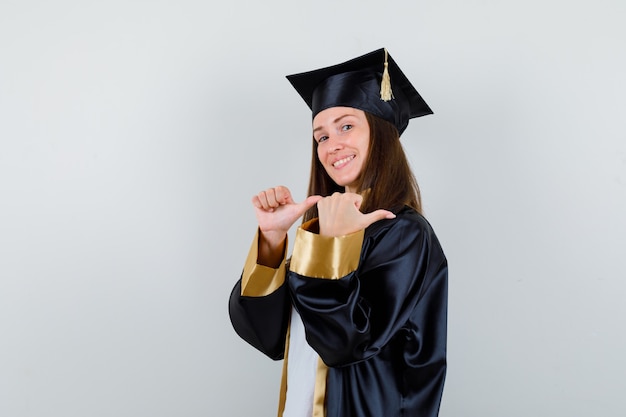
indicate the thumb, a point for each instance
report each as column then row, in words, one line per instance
column 309, row 202
column 377, row 215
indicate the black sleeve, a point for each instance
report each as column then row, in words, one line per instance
column 400, row 282
column 261, row 321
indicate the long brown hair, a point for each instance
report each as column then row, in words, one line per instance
column 386, row 174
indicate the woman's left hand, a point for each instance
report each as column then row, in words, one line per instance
column 339, row 214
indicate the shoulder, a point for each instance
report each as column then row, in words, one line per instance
column 409, row 229
column 407, row 220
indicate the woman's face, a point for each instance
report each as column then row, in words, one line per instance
column 343, row 138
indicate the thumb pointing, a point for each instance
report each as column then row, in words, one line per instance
column 377, row 215
column 309, row 202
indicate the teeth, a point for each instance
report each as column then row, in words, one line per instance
column 343, row 161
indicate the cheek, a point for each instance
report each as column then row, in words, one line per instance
column 366, row 144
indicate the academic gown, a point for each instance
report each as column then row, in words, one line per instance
column 374, row 307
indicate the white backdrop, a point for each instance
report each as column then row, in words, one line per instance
column 133, row 134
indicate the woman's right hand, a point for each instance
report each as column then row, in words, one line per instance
column 276, row 212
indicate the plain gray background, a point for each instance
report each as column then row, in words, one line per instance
column 133, row 134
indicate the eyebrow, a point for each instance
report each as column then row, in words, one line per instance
column 334, row 121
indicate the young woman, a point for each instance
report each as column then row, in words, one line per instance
column 358, row 311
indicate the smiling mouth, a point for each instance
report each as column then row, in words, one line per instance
column 343, row 161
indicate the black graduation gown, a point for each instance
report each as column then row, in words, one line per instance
column 374, row 307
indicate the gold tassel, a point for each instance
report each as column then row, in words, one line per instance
column 385, row 85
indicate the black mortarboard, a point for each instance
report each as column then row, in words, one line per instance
column 364, row 83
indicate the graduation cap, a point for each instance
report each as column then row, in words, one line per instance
column 372, row 82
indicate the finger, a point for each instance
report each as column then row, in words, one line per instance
column 262, row 197
column 256, row 202
column 272, row 201
column 307, row 204
column 377, row 215
column 310, row 201
column 283, row 195
column 358, row 199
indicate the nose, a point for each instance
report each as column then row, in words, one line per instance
column 334, row 144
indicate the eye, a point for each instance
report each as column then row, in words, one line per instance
column 346, row 127
column 322, row 139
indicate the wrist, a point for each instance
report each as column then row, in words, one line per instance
column 272, row 239
column 271, row 248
